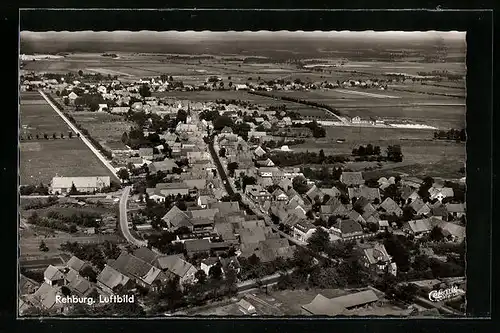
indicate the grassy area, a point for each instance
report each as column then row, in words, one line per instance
column 104, row 127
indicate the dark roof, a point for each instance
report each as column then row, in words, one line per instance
column 75, row 263
column 197, row 245
column 131, row 265
column 145, row 254
column 391, row 206
column 348, row 226
column 176, row 217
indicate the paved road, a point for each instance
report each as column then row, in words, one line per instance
column 124, row 222
column 84, row 139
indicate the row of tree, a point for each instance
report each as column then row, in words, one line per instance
column 46, row 136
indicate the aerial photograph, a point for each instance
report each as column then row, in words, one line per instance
column 242, row 174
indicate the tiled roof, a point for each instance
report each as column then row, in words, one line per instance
column 75, row 263
column 352, row 178
column 52, row 273
column 111, row 278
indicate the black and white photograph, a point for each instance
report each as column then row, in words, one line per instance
column 242, row 174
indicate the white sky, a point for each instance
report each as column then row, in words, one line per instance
column 248, row 34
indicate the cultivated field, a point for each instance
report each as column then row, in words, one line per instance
column 41, row 159
column 104, row 127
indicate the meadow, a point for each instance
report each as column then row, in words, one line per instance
column 43, row 159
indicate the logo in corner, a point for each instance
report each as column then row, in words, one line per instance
column 443, row 294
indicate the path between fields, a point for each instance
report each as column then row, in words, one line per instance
column 123, row 220
column 84, row 139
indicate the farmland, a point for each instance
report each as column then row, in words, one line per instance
column 41, row 159
column 104, row 127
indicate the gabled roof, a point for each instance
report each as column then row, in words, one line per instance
column 321, row 305
column 146, row 255
column 332, row 192
column 226, row 207
column 419, row 205
column 203, row 213
column 131, row 265
column 356, row 299
column 75, row 263
column 313, row 192
column 111, row 278
column 45, row 296
column 53, row 274
column 253, row 235
column 417, row 226
column 348, row 226
column 390, row 206
column 439, row 210
column 175, row 264
column 406, row 192
column 176, row 217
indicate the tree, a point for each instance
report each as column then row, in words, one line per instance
column 319, row 240
column 221, row 84
column 144, row 91
column 73, row 189
column 222, row 152
column 54, row 136
column 230, row 84
column 231, row 167
column 65, row 291
column 123, row 174
column 70, row 134
column 222, row 121
column 200, row 276
column 321, row 156
column 215, row 272
column 80, row 73
column 394, row 153
column 436, row 234
column 43, row 247
column 299, row 184
column 62, row 135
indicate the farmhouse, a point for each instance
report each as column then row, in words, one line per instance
column 63, row 185
column 375, row 257
column 417, row 227
column 347, row 229
column 352, row 178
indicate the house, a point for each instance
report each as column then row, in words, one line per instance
column 208, row 214
column 53, row 276
column 314, row 194
column 391, row 207
column 76, row 264
column 103, row 108
column 63, row 185
column 439, row 211
column 417, row 228
column 109, row 279
column 364, row 192
column 265, row 163
column 146, row 153
column 259, row 151
column 268, row 172
column 355, row 216
column 203, row 201
column 452, row 230
column 352, row 178
column 420, row 207
column 197, row 246
column 331, row 192
column 279, row 195
column 241, row 87
column 257, row 193
column 208, row 263
column 146, row 255
column 440, row 193
column 303, row 230
column 143, row 273
column 246, row 307
column 27, row 285
column 179, row 267
column 226, row 208
column 286, row 184
column 155, row 195
column 174, row 189
column 165, row 166
column 409, row 194
column 45, row 298
column 456, row 210
column 339, row 305
column 375, row 257
column 347, row 229
column 176, row 218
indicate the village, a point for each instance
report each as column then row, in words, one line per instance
column 216, row 212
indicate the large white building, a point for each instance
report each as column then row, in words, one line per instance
column 62, row 185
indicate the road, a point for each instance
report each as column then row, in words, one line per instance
column 84, row 139
column 100, row 195
column 124, row 222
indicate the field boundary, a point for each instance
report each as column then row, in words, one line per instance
column 87, row 142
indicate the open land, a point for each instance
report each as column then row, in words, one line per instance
column 104, row 127
column 41, row 159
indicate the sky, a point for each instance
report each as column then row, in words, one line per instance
column 195, row 35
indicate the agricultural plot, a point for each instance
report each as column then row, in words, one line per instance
column 104, row 127
column 42, row 159
column 435, row 90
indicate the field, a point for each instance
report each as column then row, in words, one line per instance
column 104, row 127
column 41, row 159
column 439, row 111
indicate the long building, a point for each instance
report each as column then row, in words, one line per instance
column 63, row 185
